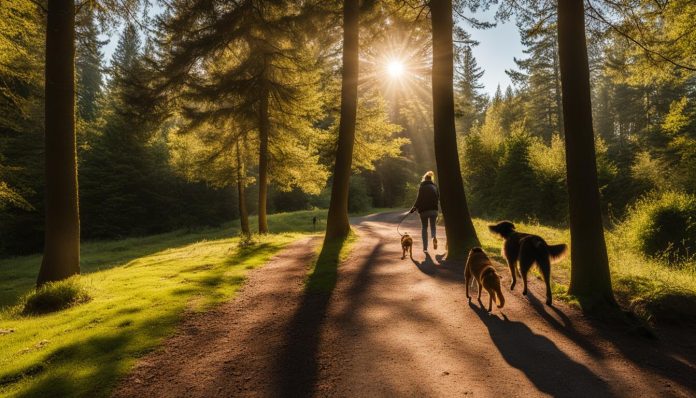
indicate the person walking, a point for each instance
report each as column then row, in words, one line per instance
column 427, row 206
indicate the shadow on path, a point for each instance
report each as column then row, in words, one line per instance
column 542, row 362
column 297, row 368
column 427, row 266
column 566, row 327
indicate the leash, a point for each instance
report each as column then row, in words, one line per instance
column 399, row 224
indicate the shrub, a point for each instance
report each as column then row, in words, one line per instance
column 664, row 226
column 516, row 189
column 55, row 296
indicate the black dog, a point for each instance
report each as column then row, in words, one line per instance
column 528, row 249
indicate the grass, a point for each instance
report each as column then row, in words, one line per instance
column 139, row 289
column 652, row 289
column 54, row 296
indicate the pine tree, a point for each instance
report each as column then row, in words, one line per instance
column 88, row 65
column 538, row 75
column 62, row 234
column 124, row 170
column 470, row 101
column 22, row 33
column 265, row 75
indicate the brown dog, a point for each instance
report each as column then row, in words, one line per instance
column 528, row 249
column 406, row 245
column 480, row 268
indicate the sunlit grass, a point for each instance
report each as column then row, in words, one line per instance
column 139, row 289
column 641, row 284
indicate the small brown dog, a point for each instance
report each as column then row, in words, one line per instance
column 406, row 245
column 528, row 249
column 480, row 268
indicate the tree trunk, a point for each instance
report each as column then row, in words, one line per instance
column 264, row 132
column 241, row 174
column 62, row 235
column 461, row 235
column 590, row 278
column 337, row 225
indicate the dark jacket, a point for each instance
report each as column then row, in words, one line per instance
column 428, row 197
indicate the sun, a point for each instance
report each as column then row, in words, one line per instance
column 395, row 69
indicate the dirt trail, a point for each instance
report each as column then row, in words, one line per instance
column 396, row 327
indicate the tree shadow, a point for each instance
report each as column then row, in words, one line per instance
column 542, row 362
column 566, row 327
column 297, row 367
column 97, row 374
column 673, row 359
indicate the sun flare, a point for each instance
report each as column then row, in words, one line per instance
column 395, row 68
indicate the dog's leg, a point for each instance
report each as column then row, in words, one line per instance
column 479, row 285
column 545, row 267
column 403, row 254
column 467, row 279
column 410, row 251
column 490, row 301
column 511, row 258
column 526, row 261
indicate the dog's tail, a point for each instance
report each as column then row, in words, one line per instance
column 557, row 252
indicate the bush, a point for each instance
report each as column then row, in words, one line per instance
column 664, row 226
column 55, row 296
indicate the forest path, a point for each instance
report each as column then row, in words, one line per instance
column 396, row 327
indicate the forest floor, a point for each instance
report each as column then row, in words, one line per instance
column 392, row 327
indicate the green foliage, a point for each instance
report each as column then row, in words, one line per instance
column 514, row 176
column 22, row 35
column 470, row 102
column 54, row 296
column 358, row 199
column 664, row 226
column 374, row 134
column 538, row 75
column 515, row 190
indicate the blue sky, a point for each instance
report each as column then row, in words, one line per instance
column 498, row 46
column 495, row 52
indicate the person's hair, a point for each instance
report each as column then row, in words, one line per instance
column 429, row 176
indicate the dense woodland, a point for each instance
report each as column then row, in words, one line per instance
column 212, row 110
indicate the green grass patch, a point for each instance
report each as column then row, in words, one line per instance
column 650, row 287
column 139, row 289
column 54, row 296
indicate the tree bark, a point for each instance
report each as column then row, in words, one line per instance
column 337, row 224
column 61, row 257
column 241, row 174
column 264, row 132
column 590, row 277
column 461, row 235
